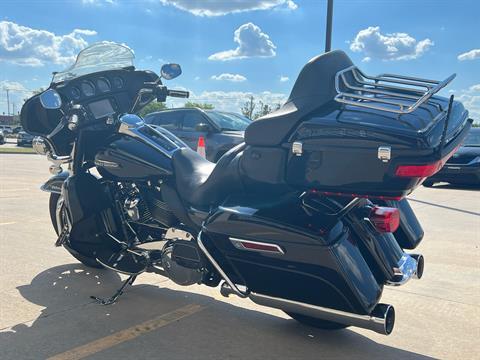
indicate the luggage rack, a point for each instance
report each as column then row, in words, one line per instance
column 386, row 92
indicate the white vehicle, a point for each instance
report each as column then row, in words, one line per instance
column 7, row 129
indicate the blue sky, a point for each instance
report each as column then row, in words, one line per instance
column 274, row 39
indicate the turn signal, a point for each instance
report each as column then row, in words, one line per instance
column 385, row 219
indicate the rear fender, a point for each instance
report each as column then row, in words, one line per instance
column 54, row 184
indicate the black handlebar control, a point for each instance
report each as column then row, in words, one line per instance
column 178, row 93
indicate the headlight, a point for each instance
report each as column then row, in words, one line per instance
column 40, row 146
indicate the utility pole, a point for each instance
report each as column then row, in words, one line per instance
column 8, row 102
column 328, row 35
column 13, row 110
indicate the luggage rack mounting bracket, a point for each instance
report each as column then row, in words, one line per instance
column 386, row 92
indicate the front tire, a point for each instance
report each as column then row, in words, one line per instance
column 316, row 323
column 85, row 260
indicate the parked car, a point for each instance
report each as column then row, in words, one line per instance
column 7, row 129
column 221, row 130
column 463, row 167
column 2, row 137
column 24, row 139
column 17, row 129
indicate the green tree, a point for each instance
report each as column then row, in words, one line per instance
column 204, row 106
column 152, row 107
column 248, row 107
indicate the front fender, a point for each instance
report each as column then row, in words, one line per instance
column 54, row 184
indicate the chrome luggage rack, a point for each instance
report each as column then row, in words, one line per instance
column 386, row 92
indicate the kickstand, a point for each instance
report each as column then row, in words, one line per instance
column 115, row 296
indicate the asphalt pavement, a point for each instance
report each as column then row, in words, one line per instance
column 46, row 310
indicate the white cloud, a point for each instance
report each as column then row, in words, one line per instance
column 252, row 42
column 396, row 46
column 469, row 55
column 284, row 78
column 25, row 46
column 219, row 8
column 229, row 77
column 99, row 2
column 230, row 100
column 17, row 94
column 471, row 100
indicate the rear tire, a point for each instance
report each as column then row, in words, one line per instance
column 316, row 323
column 85, row 260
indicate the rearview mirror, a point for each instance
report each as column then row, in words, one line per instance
column 170, row 71
column 202, row 127
column 51, row 99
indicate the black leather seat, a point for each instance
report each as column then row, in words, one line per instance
column 202, row 183
column 315, row 86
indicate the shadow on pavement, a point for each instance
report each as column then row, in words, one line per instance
column 466, row 187
column 219, row 331
column 445, row 207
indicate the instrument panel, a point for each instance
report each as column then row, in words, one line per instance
column 106, row 93
column 96, row 86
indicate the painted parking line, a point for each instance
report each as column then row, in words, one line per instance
column 128, row 334
column 8, row 223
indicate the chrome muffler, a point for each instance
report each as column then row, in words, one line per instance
column 381, row 320
column 409, row 266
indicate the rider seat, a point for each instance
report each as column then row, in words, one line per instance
column 202, row 183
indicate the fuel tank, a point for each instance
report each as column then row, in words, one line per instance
column 128, row 158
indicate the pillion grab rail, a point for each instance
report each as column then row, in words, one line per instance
column 386, row 92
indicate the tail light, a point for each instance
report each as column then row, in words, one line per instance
column 420, row 171
column 423, row 171
column 385, row 219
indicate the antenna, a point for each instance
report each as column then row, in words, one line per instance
column 328, row 35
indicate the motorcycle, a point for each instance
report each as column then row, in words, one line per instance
column 300, row 217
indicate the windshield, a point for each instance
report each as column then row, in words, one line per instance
column 472, row 139
column 229, row 121
column 98, row 57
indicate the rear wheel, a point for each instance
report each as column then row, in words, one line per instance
column 316, row 323
column 53, row 203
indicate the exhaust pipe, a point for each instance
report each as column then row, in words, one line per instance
column 381, row 320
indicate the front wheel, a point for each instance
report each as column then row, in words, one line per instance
column 54, row 202
column 316, row 323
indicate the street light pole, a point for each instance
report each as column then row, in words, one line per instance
column 328, row 35
column 8, row 103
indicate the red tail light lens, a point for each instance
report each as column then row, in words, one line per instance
column 423, row 171
column 420, row 171
column 385, row 219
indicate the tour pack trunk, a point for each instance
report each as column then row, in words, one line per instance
column 364, row 151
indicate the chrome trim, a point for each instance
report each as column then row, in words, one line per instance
column 40, row 146
column 238, row 243
column 409, row 266
column 384, row 153
column 381, row 319
column 362, row 90
column 130, row 125
column 219, row 269
column 297, row 148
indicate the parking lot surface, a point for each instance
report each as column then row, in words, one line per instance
column 46, row 310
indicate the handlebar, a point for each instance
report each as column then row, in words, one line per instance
column 178, row 93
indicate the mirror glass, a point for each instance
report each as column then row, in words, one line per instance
column 51, row 99
column 170, row 71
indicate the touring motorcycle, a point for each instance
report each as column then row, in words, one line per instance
column 308, row 215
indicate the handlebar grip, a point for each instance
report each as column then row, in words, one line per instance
column 178, row 93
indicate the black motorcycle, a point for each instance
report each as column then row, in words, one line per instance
column 308, row 215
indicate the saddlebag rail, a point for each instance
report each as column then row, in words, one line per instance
column 386, row 92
